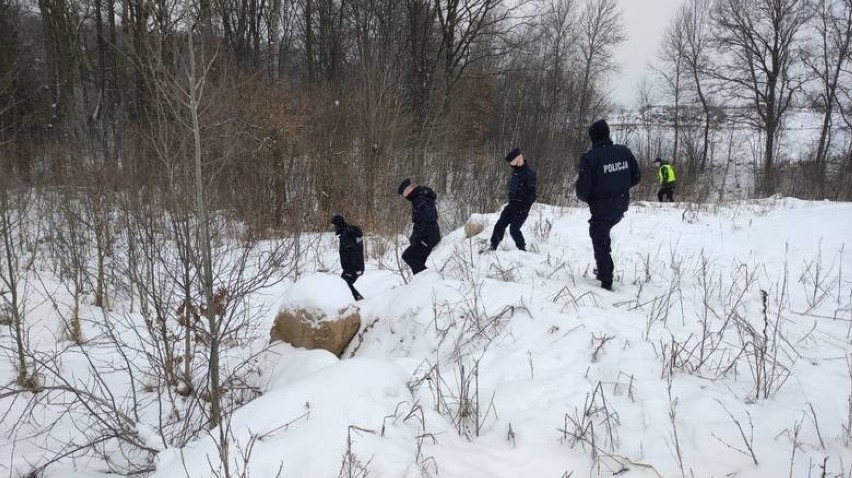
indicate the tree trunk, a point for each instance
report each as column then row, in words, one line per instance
column 706, row 130
column 768, row 186
column 11, row 283
column 309, row 39
column 676, row 151
column 822, row 150
column 195, row 86
column 274, row 40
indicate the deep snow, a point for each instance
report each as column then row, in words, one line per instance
column 510, row 363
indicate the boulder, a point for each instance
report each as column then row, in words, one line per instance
column 311, row 328
column 474, row 225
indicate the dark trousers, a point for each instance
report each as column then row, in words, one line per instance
column 667, row 191
column 599, row 229
column 416, row 254
column 424, row 238
column 513, row 215
column 350, row 278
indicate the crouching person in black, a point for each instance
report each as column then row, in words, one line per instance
column 351, row 252
column 425, row 234
column 607, row 172
column 521, row 198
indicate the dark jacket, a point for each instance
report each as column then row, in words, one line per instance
column 351, row 248
column 607, row 172
column 522, row 186
column 424, row 215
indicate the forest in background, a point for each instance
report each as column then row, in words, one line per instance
column 302, row 108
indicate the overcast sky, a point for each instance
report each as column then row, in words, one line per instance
column 644, row 23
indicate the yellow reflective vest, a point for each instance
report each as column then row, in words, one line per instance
column 666, row 173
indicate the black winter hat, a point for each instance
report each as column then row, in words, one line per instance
column 337, row 220
column 404, row 184
column 513, row 154
column 658, row 160
column 598, row 130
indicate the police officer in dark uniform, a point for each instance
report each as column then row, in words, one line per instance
column 522, row 195
column 351, row 252
column 425, row 234
column 607, row 172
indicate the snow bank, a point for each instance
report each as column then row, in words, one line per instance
column 323, row 294
column 307, row 422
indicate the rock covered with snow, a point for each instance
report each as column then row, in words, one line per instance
column 475, row 224
column 319, row 293
column 317, row 313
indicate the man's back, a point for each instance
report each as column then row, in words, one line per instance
column 607, row 172
column 352, row 248
column 423, row 209
column 666, row 174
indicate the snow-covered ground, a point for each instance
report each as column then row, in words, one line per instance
column 724, row 350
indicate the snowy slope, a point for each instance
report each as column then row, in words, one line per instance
column 725, row 350
column 511, row 363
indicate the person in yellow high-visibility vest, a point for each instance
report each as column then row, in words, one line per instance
column 666, row 174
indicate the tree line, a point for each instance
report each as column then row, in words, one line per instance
column 307, row 104
column 754, row 63
column 311, row 104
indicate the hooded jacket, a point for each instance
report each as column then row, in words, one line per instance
column 351, row 248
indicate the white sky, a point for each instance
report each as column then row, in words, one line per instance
column 644, row 23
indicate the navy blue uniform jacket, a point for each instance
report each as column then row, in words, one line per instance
column 607, row 172
column 424, row 215
column 522, row 186
column 351, row 248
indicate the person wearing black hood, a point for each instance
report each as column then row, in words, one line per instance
column 522, row 195
column 351, row 252
column 606, row 174
column 425, row 234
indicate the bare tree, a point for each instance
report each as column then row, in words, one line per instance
column 760, row 62
column 58, row 25
column 601, row 31
column 560, row 37
column 16, row 262
column 647, row 102
column 184, row 92
column 549, row 122
column 463, row 24
column 378, row 96
column 695, row 18
column 673, row 72
column 14, row 223
column 828, row 60
column 844, row 107
column 195, row 80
